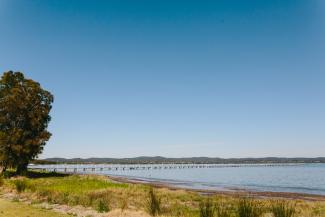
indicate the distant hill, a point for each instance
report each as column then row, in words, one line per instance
column 197, row 160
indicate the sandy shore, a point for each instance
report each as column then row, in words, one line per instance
column 227, row 192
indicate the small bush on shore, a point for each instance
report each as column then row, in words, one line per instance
column 153, row 203
column 21, row 185
column 102, row 205
column 207, row 208
column 283, row 209
column 248, row 208
column 7, row 174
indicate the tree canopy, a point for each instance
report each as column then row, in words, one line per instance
column 24, row 118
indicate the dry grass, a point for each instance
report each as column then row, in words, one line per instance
column 16, row 209
column 249, row 208
column 207, row 208
column 283, row 209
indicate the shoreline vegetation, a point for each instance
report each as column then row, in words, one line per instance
column 235, row 192
column 96, row 195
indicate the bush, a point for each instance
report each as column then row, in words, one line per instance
column 153, row 203
column 102, row 206
column 248, row 208
column 20, row 184
column 7, row 174
column 283, row 209
column 207, row 208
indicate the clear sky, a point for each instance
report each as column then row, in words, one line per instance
column 223, row 78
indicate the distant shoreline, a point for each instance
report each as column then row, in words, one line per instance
column 189, row 160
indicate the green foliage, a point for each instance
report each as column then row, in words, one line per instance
column 248, row 208
column 88, row 191
column 102, row 205
column 207, row 208
column 153, row 203
column 21, row 185
column 24, row 117
column 283, row 209
column 75, row 184
column 7, row 174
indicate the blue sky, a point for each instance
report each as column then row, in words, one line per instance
column 224, row 78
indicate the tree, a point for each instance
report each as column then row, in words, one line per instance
column 24, row 117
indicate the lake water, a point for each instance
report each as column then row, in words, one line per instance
column 298, row 178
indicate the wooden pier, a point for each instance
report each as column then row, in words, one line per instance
column 101, row 168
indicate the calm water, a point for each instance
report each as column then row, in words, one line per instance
column 299, row 178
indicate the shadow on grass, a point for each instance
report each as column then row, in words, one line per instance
column 36, row 174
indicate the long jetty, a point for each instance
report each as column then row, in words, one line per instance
column 86, row 168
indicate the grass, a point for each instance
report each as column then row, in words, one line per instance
column 105, row 195
column 16, row 209
column 102, row 205
column 207, row 208
column 76, row 190
column 283, row 209
column 153, row 203
column 223, row 209
column 20, row 185
column 74, row 184
column 248, row 208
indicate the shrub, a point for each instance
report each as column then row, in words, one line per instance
column 153, row 203
column 7, row 174
column 21, row 185
column 207, row 208
column 102, row 206
column 248, row 208
column 283, row 209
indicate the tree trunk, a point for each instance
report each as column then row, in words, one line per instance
column 22, row 169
